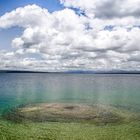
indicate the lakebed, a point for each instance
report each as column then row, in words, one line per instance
column 65, row 121
column 67, row 112
column 69, row 107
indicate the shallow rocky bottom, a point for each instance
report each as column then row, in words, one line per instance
column 66, row 112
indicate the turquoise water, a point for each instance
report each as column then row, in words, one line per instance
column 28, row 88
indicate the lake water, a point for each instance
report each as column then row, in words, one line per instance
column 28, row 88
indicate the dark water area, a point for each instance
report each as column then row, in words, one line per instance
column 122, row 90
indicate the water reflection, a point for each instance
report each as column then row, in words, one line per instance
column 16, row 89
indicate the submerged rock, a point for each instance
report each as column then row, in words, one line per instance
column 65, row 112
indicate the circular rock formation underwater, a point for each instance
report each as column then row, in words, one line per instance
column 66, row 112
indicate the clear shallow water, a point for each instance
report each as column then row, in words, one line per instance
column 27, row 88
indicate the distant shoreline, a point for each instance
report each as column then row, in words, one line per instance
column 72, row 72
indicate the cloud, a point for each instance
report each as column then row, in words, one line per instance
column 104, row 37
column 106, row 8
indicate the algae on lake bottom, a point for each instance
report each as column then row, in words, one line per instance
column 72, row 122
column 67, row 131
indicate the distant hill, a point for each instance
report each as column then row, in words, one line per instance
column 73, row 72
column 20, row 71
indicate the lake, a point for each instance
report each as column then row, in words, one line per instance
column 110, row 89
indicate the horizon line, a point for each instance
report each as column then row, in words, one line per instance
column 75, row 71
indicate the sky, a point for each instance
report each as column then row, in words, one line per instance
column 65, row 35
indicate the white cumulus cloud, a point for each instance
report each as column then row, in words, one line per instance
column 99, row 35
